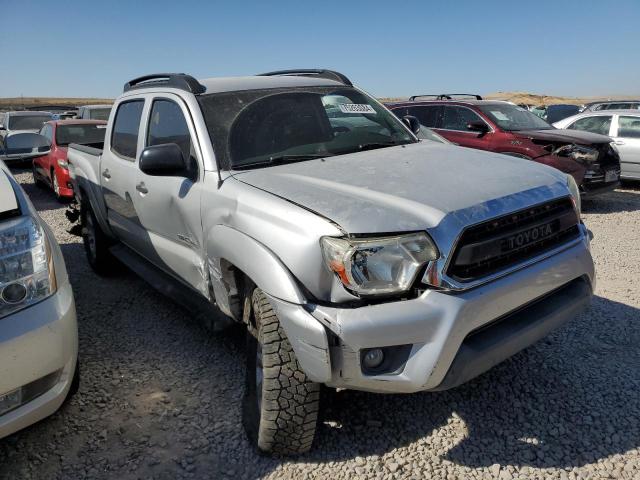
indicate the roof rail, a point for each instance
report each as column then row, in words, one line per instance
column 447, row 96
column 311, row 72
column 181, row 81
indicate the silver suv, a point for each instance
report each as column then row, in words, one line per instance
column 356, row 255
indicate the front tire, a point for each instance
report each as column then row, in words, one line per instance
column 36, row 178
column 96, row 243
column 280, row 407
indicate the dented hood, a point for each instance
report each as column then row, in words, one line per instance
column 399, row 188
column 566, row 136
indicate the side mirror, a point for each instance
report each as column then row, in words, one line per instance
column 412, row 122
column 479, row 127
column 24, row 145
column 164, row 161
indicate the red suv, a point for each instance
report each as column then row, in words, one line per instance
column 52, row 169
column 503, row 127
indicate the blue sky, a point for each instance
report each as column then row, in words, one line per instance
column 91, row 48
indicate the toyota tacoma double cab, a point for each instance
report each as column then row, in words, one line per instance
column 503, row 127
column 357, row 256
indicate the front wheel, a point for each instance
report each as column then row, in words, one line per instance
column 280, row 407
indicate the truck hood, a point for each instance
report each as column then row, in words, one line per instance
column 404, row 188
column 562, row 135
column 29, row 130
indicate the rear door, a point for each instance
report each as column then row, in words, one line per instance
column 454, row 127
column 118, row 169
column 627, row 141
column 169, row 206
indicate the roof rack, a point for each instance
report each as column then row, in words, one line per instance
column 181, row 81
column 311, row 72
column 447, row 96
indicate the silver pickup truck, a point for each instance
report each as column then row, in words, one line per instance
column 356, row 255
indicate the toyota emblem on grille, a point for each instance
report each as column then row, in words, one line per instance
column 526, row 237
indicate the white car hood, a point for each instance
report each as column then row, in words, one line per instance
column 8, row 199
column 405, row 188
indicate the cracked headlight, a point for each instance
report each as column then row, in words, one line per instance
column 575, row 194
column 26, row 269
column 374, row 266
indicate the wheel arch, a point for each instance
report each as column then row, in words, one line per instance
column 233, row 256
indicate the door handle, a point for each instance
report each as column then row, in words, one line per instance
column 106, row 174
column 142, row 188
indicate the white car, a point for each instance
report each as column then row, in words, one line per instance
column 38, row 330
column 621, row 125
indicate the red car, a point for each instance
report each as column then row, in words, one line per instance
column 503, row 127
column 52, row 169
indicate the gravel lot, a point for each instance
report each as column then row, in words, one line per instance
column 160, row 398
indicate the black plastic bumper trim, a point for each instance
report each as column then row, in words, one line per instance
column 485, row 348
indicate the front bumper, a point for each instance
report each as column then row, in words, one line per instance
column 438, row 327
column 35, row 343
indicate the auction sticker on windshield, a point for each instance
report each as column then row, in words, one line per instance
column 356, row 108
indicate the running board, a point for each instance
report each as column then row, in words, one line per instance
column 203, row 310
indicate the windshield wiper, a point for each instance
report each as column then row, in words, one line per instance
column 374, row 145
column 282, row 159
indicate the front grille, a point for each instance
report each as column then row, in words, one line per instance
column 502, row 242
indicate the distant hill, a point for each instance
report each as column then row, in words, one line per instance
column 19, row 103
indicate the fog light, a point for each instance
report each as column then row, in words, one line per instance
column 373, row 358
column 14, row 293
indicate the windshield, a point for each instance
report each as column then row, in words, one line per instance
column 99, row 113
column 512, row 118
column 260, row 127
column 27, row 122
column 82, row 134
column 428, row 134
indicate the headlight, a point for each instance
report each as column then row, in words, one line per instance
column 579, row 153
column 26, row 269
column 575, row 193
column 375, row 266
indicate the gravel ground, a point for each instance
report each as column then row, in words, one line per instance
column 160, row 398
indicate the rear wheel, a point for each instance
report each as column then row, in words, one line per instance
column 96, row 242
column 280, row 407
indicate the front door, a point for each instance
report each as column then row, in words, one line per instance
column 454, row 127
column 118, row 170
column 627, row 141
column 169, row 206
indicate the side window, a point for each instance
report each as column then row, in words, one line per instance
column 457, row 118
column 596, row 124
column 629, row 127
column 426, row 115
column 124, row 138
column 47, row 132
column 168, row 125
column 400, row 112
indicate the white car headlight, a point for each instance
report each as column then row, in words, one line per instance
column 375, row 266
column 26, row 269
column 575, row 194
